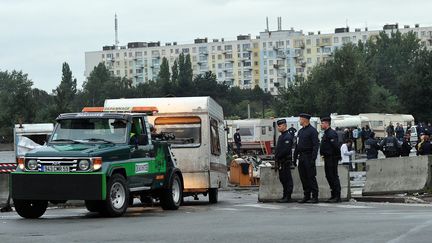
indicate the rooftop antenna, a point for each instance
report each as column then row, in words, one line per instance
column 116, row 30
column 267, row 24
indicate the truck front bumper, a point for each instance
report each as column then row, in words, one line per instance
column 53, row 186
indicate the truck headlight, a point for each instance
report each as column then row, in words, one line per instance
column 84, row 164
column 32, row 164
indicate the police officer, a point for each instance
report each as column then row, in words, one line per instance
column 237, row 141
column 372, row 147
column 390, row 145
column 283, row 158
column 406, row 146
column 292, row 130
column 306, row 152
column 329, row 149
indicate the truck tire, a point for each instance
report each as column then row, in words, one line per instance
column 172, row 197
column 93, row 206
column 117, row 198
column 30, row 209
column 213, row 195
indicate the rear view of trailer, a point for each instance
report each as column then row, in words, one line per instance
column 200, row 142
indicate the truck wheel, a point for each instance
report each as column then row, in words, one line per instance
column 172, row 197
column 93, row 206
column 31, row 209
column 117, row 197
column 213, row 195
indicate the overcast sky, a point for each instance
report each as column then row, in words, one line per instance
column 38, row 36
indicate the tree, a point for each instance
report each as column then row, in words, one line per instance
column 64, row 94
column 15, row 100
column 164, row 78
column 184, row 87
column 417, row 86
column 390, row 56
column 174, row 73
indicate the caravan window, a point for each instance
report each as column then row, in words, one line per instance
column 214, row 137
column 246, row 131
column 377, row 123
column 186, row 129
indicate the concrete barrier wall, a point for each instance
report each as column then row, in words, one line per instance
column 4, row 188
column 271, row 189
column 397, row 175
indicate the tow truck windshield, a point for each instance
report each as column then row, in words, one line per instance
column 90, row 130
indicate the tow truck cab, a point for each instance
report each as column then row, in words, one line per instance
column 104, row 157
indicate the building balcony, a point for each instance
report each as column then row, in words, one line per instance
column 277, row 66
column 282, row 74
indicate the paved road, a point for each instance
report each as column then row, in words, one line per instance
column 237, row 218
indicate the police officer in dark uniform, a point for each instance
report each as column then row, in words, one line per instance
column 390, row 146
column 237, row 141
column 283, row 159
column 329, row 149
column 306, row 152
column 372, row 146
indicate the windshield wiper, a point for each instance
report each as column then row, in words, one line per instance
column 98, row 140
column 65, row 140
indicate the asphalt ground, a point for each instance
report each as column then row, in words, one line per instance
column 238, row 217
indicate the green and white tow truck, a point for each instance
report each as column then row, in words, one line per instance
column 104, row 157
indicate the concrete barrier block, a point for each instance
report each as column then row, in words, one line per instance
column 397, row 175
column 4, row 188
column 271, row 189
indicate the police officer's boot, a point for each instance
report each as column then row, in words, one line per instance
column 285, row 200
column 336, row 199
column 314, row 199
column 305, row 199
column 332, row 197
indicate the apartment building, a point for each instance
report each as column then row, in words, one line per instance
column 270, row 60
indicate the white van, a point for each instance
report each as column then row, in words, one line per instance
column 200, row 140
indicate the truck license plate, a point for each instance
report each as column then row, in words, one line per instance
column 56, row 168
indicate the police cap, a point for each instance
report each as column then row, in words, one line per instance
column 305, row 115
column 326, row 119
column 280, row 122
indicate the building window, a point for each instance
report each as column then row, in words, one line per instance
column 103, row 56
column 256, row 63
column 193, row 49
column 308, row 51
column 264, row 45
column 317, row 42
column 255, row 45
column 117, row 55
column 336, row 39
column 308, row 42
column 309, row 60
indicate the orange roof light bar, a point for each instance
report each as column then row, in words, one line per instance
column 145, row 109
column 93, row 109
column 177, row 120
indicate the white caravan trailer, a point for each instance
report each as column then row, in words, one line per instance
column 200, row 141
column 254, row 133
column 380, row 121
column 31, row 136
column 349, row 121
